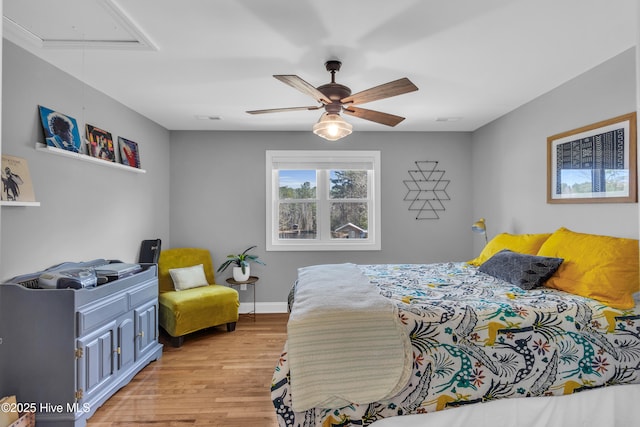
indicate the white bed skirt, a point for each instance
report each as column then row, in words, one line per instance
column 606, row 407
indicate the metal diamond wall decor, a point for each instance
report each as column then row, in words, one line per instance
column 426, row 190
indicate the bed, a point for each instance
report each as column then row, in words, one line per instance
column 468, row 342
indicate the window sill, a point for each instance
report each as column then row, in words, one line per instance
column 351, row 246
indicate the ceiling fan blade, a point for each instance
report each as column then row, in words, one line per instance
column 280, row 110
column 374, row 116
column 304, row 87
column 387, row 90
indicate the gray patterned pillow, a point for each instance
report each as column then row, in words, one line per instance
column 525, row 271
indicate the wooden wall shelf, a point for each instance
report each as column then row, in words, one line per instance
column 9, row 203
column 65, row 153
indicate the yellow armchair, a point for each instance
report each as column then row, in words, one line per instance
column 185, row 311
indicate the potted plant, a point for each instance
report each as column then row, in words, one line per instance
column 241, row 262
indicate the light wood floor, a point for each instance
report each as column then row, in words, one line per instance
column 216, row 378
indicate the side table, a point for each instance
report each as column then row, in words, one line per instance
column 250, row 281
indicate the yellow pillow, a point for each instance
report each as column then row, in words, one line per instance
column 522, row 243
column 603, row 268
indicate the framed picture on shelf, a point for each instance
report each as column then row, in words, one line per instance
column 60, row 131
column 100, row 143
column 594, row 163
column 129, row 153
column 16, row 180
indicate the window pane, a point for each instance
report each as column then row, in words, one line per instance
column 297, row 220
column 348, row 184
column 297, row 184
column 349, row 220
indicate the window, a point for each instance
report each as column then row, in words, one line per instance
column 323, row 200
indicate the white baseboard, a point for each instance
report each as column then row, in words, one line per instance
column 263, row 307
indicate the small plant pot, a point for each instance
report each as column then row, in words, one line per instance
column 238, row 276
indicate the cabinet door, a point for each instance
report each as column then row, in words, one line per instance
column 146, row 327
column 126, row 343
column 95, row 360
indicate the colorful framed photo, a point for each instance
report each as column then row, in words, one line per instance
column 60, row 131
column 594, row 164
column 16, row 180
column 100, row 143
column 129, row 153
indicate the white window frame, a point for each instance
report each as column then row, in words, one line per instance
column 322, row 160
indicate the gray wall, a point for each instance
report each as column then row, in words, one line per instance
column 218, row 200
column 87, row 211
column 510, row 155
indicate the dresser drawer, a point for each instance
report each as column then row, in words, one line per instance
column 143, row 294
column 98, row 314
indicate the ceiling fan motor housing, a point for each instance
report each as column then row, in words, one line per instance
column 335, row 92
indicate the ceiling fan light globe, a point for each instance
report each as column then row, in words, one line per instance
column 332, row 127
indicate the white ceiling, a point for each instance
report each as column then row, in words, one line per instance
column 180, row 62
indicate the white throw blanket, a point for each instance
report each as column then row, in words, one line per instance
column 346, row 343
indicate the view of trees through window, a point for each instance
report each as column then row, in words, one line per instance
column 299, row 201
column 348, row 194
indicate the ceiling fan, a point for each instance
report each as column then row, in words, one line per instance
column 336, row 98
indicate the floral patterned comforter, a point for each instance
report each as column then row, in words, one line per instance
column 476, row 338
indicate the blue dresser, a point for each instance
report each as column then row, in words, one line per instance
column 64, row 352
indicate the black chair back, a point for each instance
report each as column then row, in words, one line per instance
column 150, row 251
